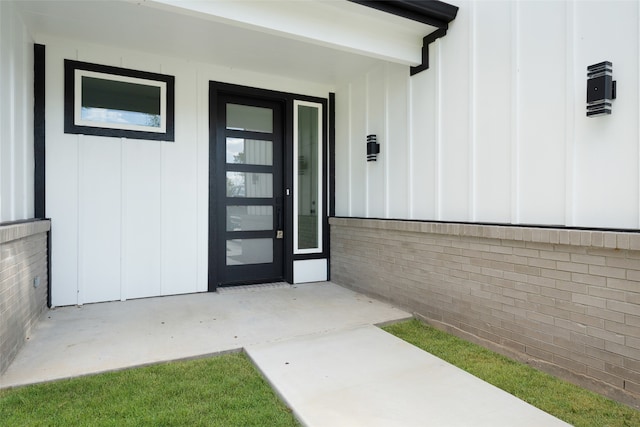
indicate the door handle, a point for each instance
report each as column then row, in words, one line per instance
column 279, row 228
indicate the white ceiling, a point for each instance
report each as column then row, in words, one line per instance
column 172, row 30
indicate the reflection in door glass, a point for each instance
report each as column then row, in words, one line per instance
column 249, row 218
column 246, row 117
column 249, row 151
column 249, row 184
column 249, row 251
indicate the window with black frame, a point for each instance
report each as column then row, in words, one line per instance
column 118, row 102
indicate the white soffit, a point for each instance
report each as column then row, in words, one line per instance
column 311, row 40
column 338, row 24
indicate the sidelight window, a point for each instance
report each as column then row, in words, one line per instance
column 308, row 178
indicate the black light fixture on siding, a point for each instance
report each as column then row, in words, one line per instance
column 601, row 89
column 373, row 148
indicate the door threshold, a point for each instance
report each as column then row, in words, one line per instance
column 252, row 288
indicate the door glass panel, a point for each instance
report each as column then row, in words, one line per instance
column 308, row 211
column 249, row 251
column 249, row 151
column 246, row 117
column 249, row 218
column 249, row 184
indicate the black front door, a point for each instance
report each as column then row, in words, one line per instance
column 248, row 190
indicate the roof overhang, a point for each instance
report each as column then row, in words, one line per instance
column 315, row 40
column 431, row 12
column 388, row 30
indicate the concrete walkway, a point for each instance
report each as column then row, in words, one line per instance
column 315, row 343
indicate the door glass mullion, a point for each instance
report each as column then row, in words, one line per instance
column 234, row 167
column 230, row 133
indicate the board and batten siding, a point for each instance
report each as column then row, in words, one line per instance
column 130, row 217
column 16, row 117
column 495, row 130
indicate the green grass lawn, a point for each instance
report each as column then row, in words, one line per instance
column 219, row 391
column 566, row 401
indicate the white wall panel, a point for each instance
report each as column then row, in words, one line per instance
column 141, row 200
column 376, row 125
column 424, row 130
column 16, row 117
column 343, row 151
column 23, row 162
column 454, row 143
column 4, row 64
column 141, row 227
column 202, row 185
column 541, row 115
column 8, row 44
column 179, row 192
column 491, row 106
column 62, row 204
column 310, row 270
column 606, row 148
column 99, row 224
column 358, row 186
column 396, row 142
column 62, row 181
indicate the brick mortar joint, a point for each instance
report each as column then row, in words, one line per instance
column 553, row 236
column 13, row 232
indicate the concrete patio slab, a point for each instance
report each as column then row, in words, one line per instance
column 73, row 341
column 367, row 377
column 315, row 343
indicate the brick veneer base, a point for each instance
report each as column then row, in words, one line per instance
column 565, row 301
column 23, row 257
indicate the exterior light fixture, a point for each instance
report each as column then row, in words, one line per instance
column 373, row 148
column 601, row 89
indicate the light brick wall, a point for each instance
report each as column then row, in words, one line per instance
column 23, row 257
column 566, row 301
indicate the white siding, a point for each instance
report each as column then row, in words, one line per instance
column 375, row 122
column 396, row 172
column 606, row 150
column 130, row 217
column 358, row 185
column 454, row 110
column 99, row 218
column 539, row 150
column 496, row 129
column 16, row 117
column 490, row 128
column 423, row 146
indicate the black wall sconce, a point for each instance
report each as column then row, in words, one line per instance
column 373, row 148
column 601, row 89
